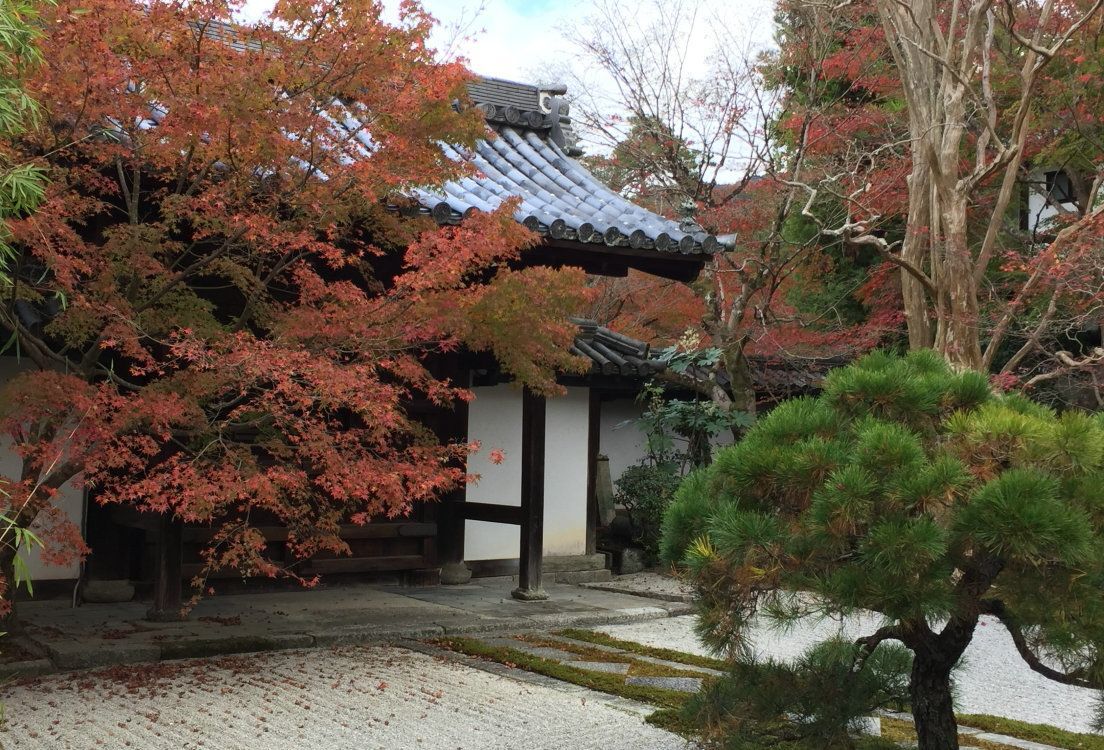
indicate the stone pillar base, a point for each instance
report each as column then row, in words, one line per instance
column 455, row 574
column 529, row 595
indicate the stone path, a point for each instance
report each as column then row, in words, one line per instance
column 992, row 679
column 97, row 635
column 651, row 585
column 620, row 662
column 326, row 699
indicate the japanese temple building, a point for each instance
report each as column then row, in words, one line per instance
column 547, row 490
column 541, row 500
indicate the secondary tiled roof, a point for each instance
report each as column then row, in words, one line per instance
column 614, row 354
column 528, row 156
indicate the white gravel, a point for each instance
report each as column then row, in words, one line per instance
column 991, row 678
column 355, row 698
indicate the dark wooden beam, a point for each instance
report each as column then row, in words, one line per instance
column 492, row 512
column 594, row 428
column 533, row 411
column 168, row 593
column 381, row 530
column 606, row 260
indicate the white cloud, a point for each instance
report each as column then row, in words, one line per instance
column 514, row 39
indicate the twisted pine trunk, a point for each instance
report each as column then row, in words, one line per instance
column 932, row 705
column 934, row 657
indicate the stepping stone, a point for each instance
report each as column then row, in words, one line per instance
column 602, row 666
column 681, row 684
column 544, row 652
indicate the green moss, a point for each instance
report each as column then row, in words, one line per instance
column 637, row 668
column 901, row 731
column 674, row 721
column 1043, row 733
column 606, row 683
column 591, row 636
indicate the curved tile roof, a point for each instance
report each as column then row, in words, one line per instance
column 528, row 157
column 612, row 353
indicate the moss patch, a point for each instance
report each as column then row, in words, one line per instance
column 1043, row 733
column 899, row 730
column 592, row 636
column 603, row 682
column 637, row 668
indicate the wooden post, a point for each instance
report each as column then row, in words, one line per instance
column 168, row 599
column 594, row 428
column 531, row 586
column 450, row 513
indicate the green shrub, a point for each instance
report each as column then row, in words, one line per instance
column 915, row 492
column 818, row 701
column 646, row 490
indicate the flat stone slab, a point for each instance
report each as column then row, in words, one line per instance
column 547, row 652
column 680, row 684
column 649, row 585
column 612, row 667
column 544, row 652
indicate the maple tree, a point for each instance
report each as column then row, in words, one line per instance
column 223, row 316
column 21, row 190
column 730, row 145
column 966, row 92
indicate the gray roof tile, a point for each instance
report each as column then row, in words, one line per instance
column 526, row 157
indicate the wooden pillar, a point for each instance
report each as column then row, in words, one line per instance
column 531, row 586
column 168, row 599
column 450, row 513
column 594, row 427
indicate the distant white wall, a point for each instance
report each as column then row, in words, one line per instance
column 1039, row 212
column 622, row 439
column 494, row 418
column 69, row 498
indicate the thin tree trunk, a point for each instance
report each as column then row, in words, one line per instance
column 915, row 251
column 741, row 383
column 958, row 335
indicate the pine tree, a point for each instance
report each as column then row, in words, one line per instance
column 917, row 493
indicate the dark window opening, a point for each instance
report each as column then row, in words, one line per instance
column 1059, row 187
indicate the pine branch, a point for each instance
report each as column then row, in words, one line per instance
column 998, row 609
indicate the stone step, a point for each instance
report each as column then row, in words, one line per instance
column 566, row 563
column 582, row 576
column 680, row 684
column 610, row 667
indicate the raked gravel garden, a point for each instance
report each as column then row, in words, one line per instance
column 992, row 678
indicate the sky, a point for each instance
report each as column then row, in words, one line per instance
column 516, row 39
column 530, row 41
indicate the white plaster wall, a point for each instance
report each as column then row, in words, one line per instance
column 69, row 498
column 565, row 473
column 1038, row 212
column 620, row 437
column 494, row 418
column 623, row 441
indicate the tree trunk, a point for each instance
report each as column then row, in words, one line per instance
column 915, row 251
column 958, row 336
column 741, row 383
column 9, row 622
column 932, row 705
